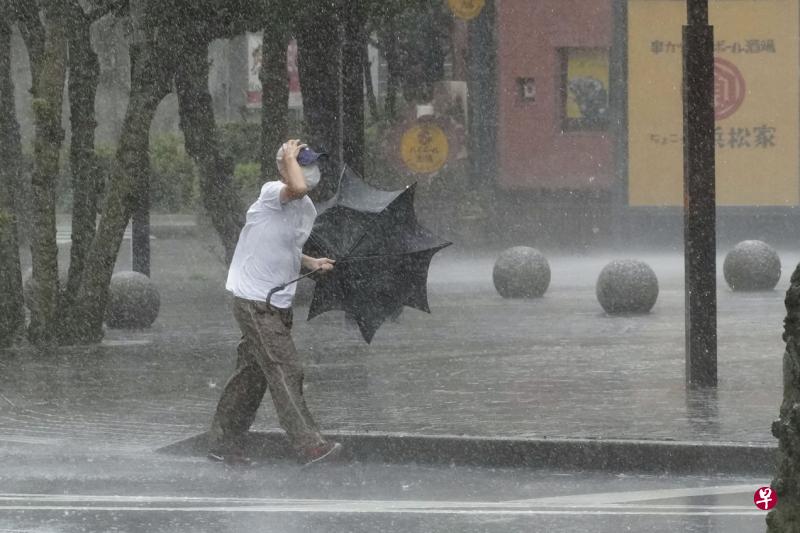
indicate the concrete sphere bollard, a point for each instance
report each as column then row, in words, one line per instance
column 627, row 287
column 133, row 301
column 752, row 266
column 521, row 272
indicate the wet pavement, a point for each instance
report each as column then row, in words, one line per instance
column 145, row 492
column 79, row 426
column 478, row 365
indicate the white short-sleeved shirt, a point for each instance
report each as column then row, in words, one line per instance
column 270, row 246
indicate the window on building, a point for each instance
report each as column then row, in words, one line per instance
column 584, row 89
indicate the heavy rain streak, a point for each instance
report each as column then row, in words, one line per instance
column 399, row 265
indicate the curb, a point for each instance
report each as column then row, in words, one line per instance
column 161, row 226
column 174, row 231
column 608, row 455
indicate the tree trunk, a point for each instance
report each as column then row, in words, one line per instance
column 47, row 107
column 26, row 15
column 12, row 314
column 458, row 48
column 353, row 60
column 140, row 205
column 202, row 143
column 83, row 79
column 482, row 97
column 151, row 73
column 319, row 48
column 372, row 100
column 274, row 96
column 785, row 517
column 393, row 77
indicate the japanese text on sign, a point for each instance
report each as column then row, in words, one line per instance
column 756, row 109
column 746, row 46
column 424, row 148
column 762, row 136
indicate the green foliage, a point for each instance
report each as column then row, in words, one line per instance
column 379, row 170
column 414, row 36
column 247, row 180
column 173, row 188
column 240, row 141
column 105, row 158
column 380, row 12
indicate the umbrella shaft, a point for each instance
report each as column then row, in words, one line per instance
column 281, row 287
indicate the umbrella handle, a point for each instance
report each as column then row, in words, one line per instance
column 281, row 287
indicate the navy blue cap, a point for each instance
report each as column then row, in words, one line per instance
column 307, row 156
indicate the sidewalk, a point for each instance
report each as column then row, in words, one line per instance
column 479, row 365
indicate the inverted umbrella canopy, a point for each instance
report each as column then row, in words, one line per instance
column 382, row 254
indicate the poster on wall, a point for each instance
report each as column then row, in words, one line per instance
column 585, row 88
column 254, row 41
column 756, row 88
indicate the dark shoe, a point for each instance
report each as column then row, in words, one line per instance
column 322, row 454
column 229, row 457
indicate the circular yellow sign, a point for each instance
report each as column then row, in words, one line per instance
column 466, row 9
column 424, row 148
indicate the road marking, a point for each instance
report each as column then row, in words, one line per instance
column 89, row 498
column 113, row 343
column 643, row 495
column 64, row 236
column 373, row 510
column 187, row 504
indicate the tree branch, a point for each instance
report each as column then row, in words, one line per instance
column 26, row 15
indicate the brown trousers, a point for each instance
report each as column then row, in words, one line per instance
column 267, row 359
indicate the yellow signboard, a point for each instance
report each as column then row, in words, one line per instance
column 424, row 148
column 466, row 9
column 756, row 88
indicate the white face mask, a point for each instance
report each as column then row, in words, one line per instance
column 312, row 175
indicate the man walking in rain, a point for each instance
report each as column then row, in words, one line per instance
column 268, row 255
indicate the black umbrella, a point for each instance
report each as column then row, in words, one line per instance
column 382, row 254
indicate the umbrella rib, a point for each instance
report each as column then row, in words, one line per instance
column 374, row 218
column 403, row 281
column 399, row 254
column 313, row 239
column 363, row 235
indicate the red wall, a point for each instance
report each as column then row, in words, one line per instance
column 533, row 152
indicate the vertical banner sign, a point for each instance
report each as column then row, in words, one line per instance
column 756, row 95
column 254, row 41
